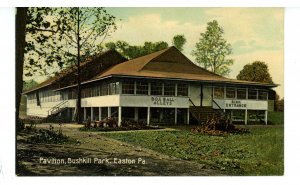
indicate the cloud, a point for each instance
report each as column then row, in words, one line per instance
column 259, row 28
column 151, row 27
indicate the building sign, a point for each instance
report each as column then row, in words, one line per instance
column 166, row 101
column 240, row 104
column 235, row 104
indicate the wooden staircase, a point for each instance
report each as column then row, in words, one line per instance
column 203, row 113
column 55, row 114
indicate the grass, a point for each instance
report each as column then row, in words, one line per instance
column 258, row 153
column 276, row 118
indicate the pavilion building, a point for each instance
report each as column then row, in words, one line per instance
column 164, row 87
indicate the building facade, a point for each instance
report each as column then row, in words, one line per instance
column 164, row 87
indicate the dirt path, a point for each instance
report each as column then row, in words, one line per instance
column 100, row 156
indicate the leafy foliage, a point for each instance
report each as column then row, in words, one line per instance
column 29, row 84
column 257, row 71
column 132, row 52
column 217, row 127
column 48, row 136
column 51, row 37
column 212, row 49
column 179, row 41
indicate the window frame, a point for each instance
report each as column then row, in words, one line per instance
column 226, row 93
column 167, row 88
column 182, row 89
column 156, row 88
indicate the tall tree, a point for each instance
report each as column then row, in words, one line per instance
column 179, row 41
column 257, row 71
column 66, row 37
column 212, row 49
column 132, row 52
column 21, row 17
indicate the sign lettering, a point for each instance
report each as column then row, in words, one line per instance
column 167, row 101
column 235, row 104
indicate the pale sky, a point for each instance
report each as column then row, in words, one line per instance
column 254, row 33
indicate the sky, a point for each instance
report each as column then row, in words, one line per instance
column 254, row 33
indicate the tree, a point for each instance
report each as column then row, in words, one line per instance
column 132, row 52
column 257, row 71
column 65, row 36
column 212, row 49
column 21, row 18
column 179, row 41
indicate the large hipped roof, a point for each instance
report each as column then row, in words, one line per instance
column 169, row 63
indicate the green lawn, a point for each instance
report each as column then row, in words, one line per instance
column 276, row 118
column 257, row 153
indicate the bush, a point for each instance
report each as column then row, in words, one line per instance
column 48, row 136
column 20, row 125
column 218, row 126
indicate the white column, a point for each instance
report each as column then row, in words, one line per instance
column 149, row 88
column 188, row 116
column 84, row 113
column 148, row 115
column 246, row 116
column 136, row 114
column 100, row 113
column 108, row 111
column 266, row 117
column 119, row 116
column 92, row 114
column 175, row 116
column 134, row 87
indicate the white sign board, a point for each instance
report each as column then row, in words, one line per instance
column 154, row 101
column 241, row 104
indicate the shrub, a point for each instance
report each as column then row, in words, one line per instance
column 48, row 136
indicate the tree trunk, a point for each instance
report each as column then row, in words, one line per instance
column 20, row 49
column 79, row 118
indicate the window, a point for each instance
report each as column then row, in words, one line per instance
column 96, row 90
column 169, row 89
column 128, row 87
column 156, row 88
column 262, row 95
column 219, row 92
column 230, row 92
column 87, row 92
column 114, row 88
column 182, row 90
column 252, row 94
column 104, row 90
column 241, row 94
column 141, row 87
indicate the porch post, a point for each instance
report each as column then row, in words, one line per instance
column 246, row 116
column 119, row 116
column 100, row 113
column 188, row 116
column 92, row 114
column 175, row 116
column 266, row 117
column 136, row 114
column 108, row 111
column 148, row 115
column 84, row 113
